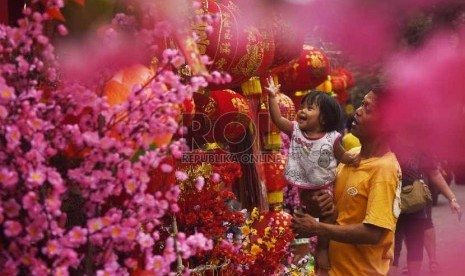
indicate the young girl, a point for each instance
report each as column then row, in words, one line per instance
column 314, row 151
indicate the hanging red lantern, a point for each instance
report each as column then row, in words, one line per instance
column 224, row 114
column 310, row 70
column 242, row 51
column 341, row 79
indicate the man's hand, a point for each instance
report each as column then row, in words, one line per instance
column 303, row 225
column 273, row 89
column 325, row 203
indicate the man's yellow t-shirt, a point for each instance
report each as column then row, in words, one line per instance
column 367, row 194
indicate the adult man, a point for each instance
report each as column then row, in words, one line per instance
column 367, row 200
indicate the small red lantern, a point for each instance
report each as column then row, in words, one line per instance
column 310, row 70
column 242, row 51
column 275, row 182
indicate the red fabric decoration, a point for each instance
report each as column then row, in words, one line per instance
column 310, row 70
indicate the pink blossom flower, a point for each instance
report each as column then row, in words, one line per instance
column 61, row 271
column 174, row 208
column 131, row 185
column 35, row 231
column 158, row 265
column 199, row 183
column 216, row 178
column 62, row 30
column 11, row 208
column 77, row 235
column 52, row 248
column 115, row 231
column 7, row 94
column 166, row 168
column 36, row 177
column 145, row 240
column 12, row 136
column 53, row 204
column 12, row 228
column 29, row 199
column 180, row 175
column 3, row 112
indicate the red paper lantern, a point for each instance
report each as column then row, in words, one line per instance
column 310, row 70
column 341, row 79
column 224, row 114
column 242, row 51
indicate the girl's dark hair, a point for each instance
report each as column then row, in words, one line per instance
column 330, row 110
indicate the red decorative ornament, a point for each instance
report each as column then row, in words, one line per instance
column 341, row 79
column 225, row 114
column 241, row 50
column 274, row 177
column 310, row 70
column 274, row 227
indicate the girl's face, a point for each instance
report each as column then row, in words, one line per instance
column 308, row 117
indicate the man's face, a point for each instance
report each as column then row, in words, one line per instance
column 366, row 118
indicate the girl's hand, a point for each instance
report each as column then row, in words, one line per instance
column 273, row 89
